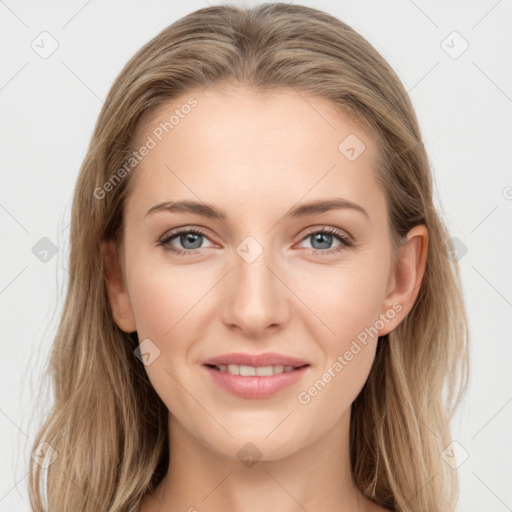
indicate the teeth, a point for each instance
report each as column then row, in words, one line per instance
column 249, row 371
column 265, row 371
column 234, row 369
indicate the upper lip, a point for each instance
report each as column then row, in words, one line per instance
column 266, row 359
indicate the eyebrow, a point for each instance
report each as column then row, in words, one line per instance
column 302, row 210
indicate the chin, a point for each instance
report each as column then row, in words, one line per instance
column 255, row 444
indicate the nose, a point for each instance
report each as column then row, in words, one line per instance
column 256, row 299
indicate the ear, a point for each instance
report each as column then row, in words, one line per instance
column 405, row 279
column 116, row 288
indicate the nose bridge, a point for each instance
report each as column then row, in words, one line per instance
column 256, row 297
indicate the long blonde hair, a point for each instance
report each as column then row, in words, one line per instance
column 107, row 425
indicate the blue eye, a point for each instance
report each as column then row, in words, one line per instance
column 322, row 237
column 191, row 241
column 189, row 238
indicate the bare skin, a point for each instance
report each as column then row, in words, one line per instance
column 255, row 157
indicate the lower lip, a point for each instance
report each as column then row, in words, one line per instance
column 255, row 387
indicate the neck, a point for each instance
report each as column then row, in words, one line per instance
column 318, row 477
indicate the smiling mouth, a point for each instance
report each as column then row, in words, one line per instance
column 254, row 371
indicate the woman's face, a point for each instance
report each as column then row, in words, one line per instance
column 260, row 278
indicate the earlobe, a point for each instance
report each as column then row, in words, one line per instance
column 116, row 288
column 407, row 276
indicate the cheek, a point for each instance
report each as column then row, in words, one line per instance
column 349, row 306
column 348, row 303
column 163, row 301
column 344, row 301
column 162, row 297
column 329, row 396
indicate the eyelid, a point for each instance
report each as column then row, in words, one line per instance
column 328, row 229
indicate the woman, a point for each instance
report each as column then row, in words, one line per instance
column 262, row 311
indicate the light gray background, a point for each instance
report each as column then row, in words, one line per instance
column 464, row 104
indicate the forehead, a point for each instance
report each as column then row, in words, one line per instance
column 243, row 144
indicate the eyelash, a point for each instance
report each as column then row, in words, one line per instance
column 345, row 241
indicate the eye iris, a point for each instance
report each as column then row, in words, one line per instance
column 192, row 238
column 320, row 237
